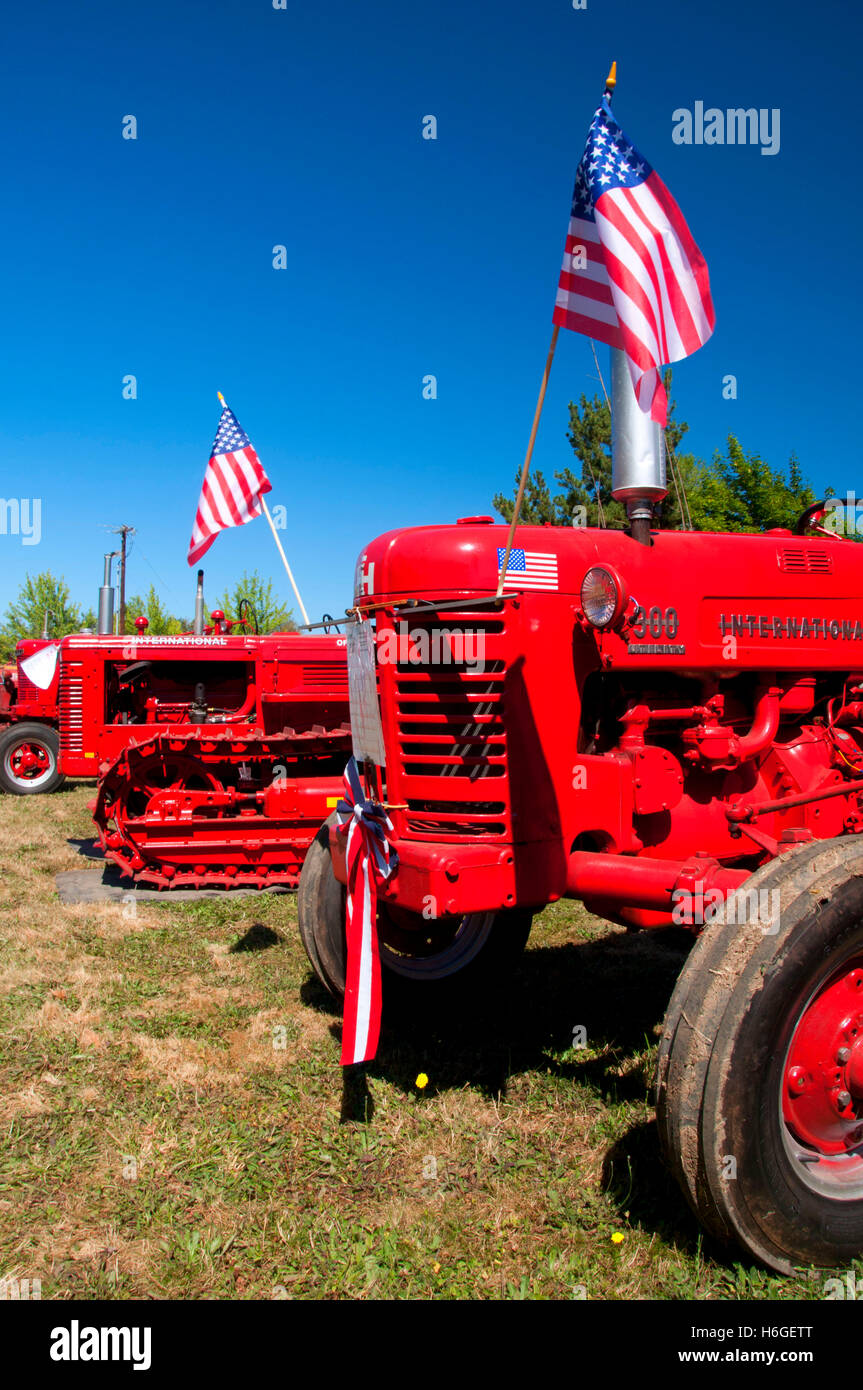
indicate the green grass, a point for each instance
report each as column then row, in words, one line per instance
column 175, row 1123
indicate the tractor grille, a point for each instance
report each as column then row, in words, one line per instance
column 71, row 709
column 436, row 818
column 804, row 560
column 27, row 691
column 448, row 701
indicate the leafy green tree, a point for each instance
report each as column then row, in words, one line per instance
column 25, row 617
column 752, row 496
column 161, row 623
column 264, row 609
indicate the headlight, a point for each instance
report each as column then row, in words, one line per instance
column 602, row 596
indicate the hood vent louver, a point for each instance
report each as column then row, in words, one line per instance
column 805, row 560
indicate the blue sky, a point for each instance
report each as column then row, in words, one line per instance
column 406, row 257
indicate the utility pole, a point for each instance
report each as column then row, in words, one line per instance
column 122, row 532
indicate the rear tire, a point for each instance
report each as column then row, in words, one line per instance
column 30, row 759
column 415, row 954
column 749, row 1070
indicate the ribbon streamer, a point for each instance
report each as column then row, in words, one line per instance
column 370, row 861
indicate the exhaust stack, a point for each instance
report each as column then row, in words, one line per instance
column 199, row 606
column 105, row 625
column 637, row 452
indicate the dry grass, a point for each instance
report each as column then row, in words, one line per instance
column 175, row 1124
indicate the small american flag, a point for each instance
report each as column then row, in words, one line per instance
column 233, row 486
column 644, row 287
column 528, row 569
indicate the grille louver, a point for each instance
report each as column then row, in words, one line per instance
column 71, row 709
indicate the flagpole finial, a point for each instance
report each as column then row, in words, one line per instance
column 611, row 79
column 222, row 399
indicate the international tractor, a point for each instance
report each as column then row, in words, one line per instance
column 218, row 754
column 667, row 726
column 29, row 742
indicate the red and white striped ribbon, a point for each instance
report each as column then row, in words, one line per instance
column 370, row 860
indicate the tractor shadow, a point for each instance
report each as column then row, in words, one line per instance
column 645, row 1194
column 258, row 938
column 66, row 787
column 88, row 848
column 616, row 989
column 610, row 994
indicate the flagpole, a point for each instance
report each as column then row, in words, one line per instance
column 610, row 84
column 284, row 559
column 263, row 501
column 527, row 458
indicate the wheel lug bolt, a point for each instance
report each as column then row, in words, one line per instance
column 843, row 1100
column 842, row 1055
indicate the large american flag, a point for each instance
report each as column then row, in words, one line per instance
column 233, row 485
column 645, row 286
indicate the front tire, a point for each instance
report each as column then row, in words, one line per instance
column 760, row 1069
column 30, row 759
column 415, row 953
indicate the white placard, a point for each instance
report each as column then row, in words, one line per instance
column 367, row 734
column 40, row 667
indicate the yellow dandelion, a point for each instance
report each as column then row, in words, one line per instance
column 422, row 1081
column 617, row 1237
column 436, row 1268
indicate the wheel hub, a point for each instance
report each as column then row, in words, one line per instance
column 440, row 948
column 27, row 762
column 822, row 1101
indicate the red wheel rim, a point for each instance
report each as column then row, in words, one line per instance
column 822, row 1081
column 28, row 762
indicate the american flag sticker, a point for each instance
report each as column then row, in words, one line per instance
column 529, row 569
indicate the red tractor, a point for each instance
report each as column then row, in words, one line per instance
column 218, row 754
column 218, row 751
column 29, row 744
column 669, row 727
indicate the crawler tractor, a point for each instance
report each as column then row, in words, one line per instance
column 667, row 726
column 217, row 755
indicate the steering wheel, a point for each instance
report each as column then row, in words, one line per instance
column 810, row 516
column 246, row 615
column 136, row 672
